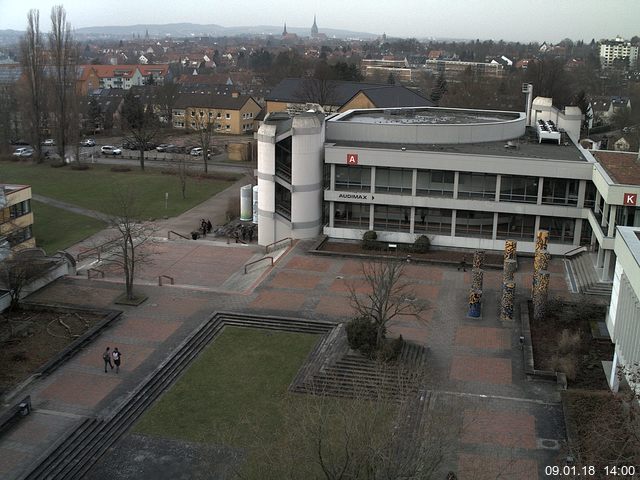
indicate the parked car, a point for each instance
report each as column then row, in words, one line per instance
column 173, row 149
column 88, row 142
column 23, row 152
column 162, row 147
column 110, row 150
column 196, row 151
column 49, row 142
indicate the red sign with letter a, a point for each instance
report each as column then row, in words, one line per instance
column 352, row 159
column 630, row 199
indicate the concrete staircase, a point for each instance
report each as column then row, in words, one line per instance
column 583, row 276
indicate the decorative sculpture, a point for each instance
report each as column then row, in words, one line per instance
column 474, row 303
column 508, row 298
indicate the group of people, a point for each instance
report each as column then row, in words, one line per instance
column 114, row 355
column 205, row 227
column 244, row 232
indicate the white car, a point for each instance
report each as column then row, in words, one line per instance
column 110, row 150
column 89, row 142
column 49, row 142
column 196, row 151
column 23, row 152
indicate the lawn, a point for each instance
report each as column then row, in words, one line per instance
column 56, row 229
column 238, row 383
column 95, row 188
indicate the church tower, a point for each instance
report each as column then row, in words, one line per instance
column 284, row 32
column 314, row 28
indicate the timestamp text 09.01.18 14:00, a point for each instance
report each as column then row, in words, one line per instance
column 625, row 471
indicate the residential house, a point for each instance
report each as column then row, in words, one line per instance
column 294, row 95
column 16, row 218
column 232, row 114
column 93, row 77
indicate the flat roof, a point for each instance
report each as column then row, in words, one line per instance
column 622, row 167
column 516, row 148
column 427, row 116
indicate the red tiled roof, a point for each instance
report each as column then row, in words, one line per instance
column 622, row 167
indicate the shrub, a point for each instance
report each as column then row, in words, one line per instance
column 369, row 240
column 569, row 342
column 567, row 364
column 422, row 244
column 361, row 335
column 391, row 349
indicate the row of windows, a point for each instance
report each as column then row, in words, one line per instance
column 439, row 221
column 15, row 211
column 19, row 236
column 440, row 183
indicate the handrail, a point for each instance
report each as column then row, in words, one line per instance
column 256, row 261
column 160, row 277
column 99, row 249
column 176, row 233
column 570, row 253
column 94, row 270
column 266, row 249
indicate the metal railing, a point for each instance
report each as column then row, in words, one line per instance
column 574, row 251
column 160, row 277
column 257, row 261
column 94, row 270
column 97, row 250
column 176, row 233
column 288, row 239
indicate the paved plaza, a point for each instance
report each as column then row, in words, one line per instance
column 511, row 426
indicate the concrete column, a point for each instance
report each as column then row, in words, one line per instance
column 332, row 179
column 540, row 187
column 536, row 226
column 494, row 232
column 456, row 180
column 373, row 179
column 332, row 212
column 606, row 266
column 605, row 215
column 582, row 193
column 612, row 220
column 412, row 217
column 596, row 204
column 498, row 183
column 453, row 223
column 600, row 257
column 614, row 381
column 371, row 216
column 577, row 232
column 414, row 182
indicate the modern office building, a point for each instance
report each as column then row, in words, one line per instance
column 623, row 319
column 465, row 178
column 618, row 49
column 16, row 218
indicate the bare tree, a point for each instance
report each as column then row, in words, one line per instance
column 64, row 59
column 205, row 131
column 140, row 123
column 386, row 295
column 33, row 60
column 130, row 238
column 16, row 273
column 182, row 172
column 167, row 96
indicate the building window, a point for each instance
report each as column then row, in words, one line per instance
column 19, row 236
column 354, row 215
column 210, row 114
column 250, row 114
column 435, row 183
column 474, row 224
column 283, row 202
column 518, row 189
column 394, row 180
column 353, row 178
column 476, row 185
column 201, row 113
column 516, row 227
column 560, row 229
column 391, row 218
column 193, row 124
column 227, row 116
column 228, row 127
column 590, row 195
column 193, row 113
column 20, row 209
column 219, row 115
column 433, row 220
column 560, row 191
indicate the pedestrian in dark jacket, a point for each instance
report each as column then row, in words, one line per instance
column 117, row 358
column 106, row 356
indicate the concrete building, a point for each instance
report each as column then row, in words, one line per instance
column 465, row 178
column 623, row 318
column 618, row 49
column 16, row 218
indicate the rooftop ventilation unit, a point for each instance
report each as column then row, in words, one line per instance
column 547, row 130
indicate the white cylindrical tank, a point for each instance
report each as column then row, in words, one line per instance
column 246, row 201
column 255, row 205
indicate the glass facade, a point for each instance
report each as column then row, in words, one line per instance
column 283, row 159
column 394, row 180
column 391, row 218
column 560, row 229
column 283, row 201
column 518, row 189
column 435, row 183
column 351, row 215
column 516, row 227
column 560, row 191
column 474, row 224
column 477, row 185
column 353, row 178
column 433, row 220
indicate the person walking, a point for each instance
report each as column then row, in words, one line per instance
column 106, row 356
column 117, row 356
column 463, row 264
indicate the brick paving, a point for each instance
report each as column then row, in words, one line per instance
column 472, row 362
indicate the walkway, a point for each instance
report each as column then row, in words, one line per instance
column 71, row 207
column 508, row 425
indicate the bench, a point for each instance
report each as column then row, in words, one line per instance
column 17, row 411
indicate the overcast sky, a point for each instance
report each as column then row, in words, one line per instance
column 521, row 20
